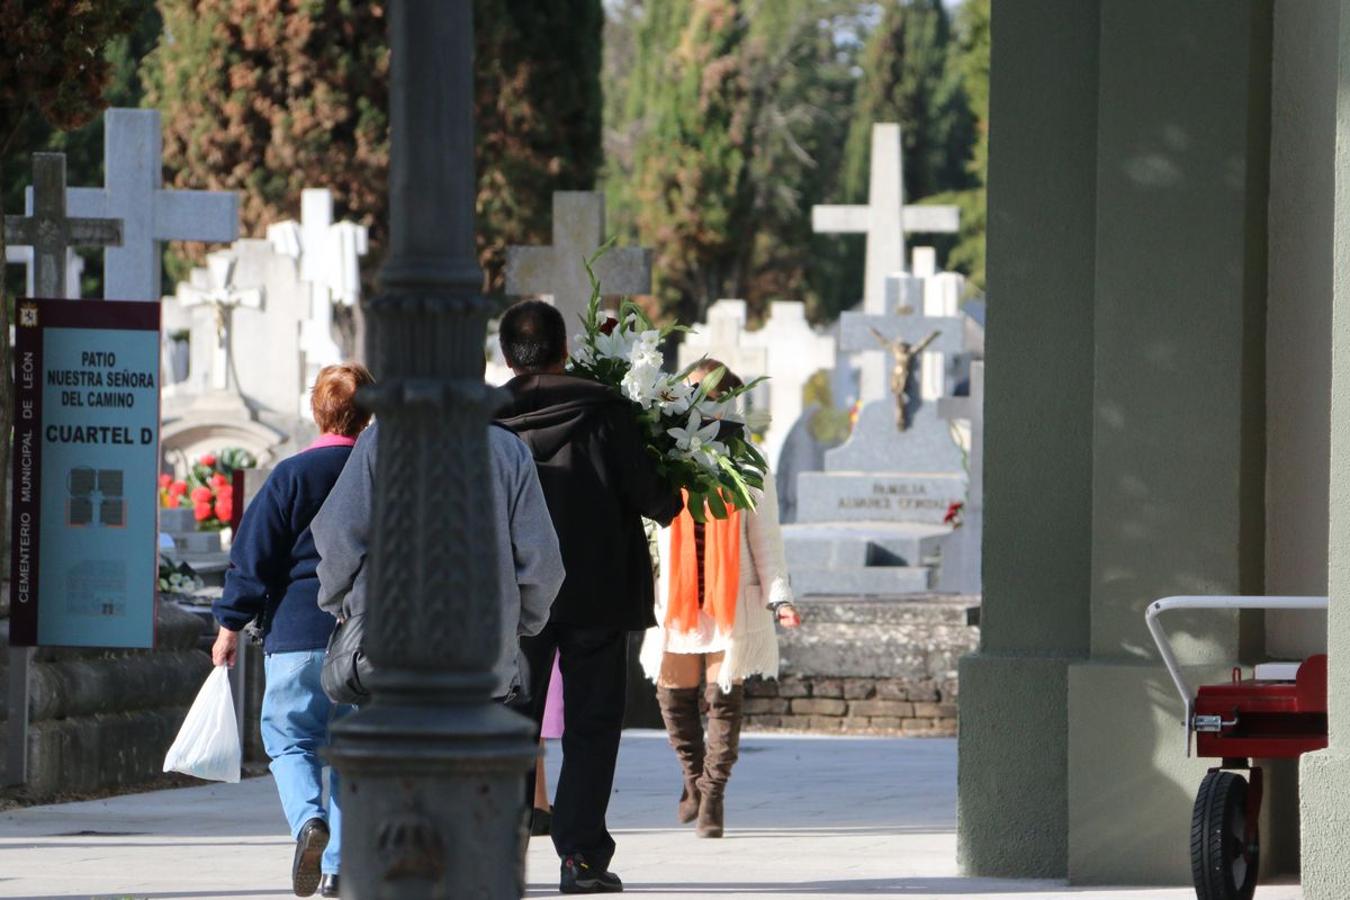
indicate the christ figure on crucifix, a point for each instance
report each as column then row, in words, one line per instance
column 905, row 354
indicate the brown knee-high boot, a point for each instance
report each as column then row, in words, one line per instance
column 679, row 710
column 724, row 746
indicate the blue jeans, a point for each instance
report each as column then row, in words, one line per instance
column 296, row 714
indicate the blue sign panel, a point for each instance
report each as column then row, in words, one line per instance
column 86, row 464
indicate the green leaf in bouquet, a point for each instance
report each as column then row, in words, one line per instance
column 708, row 384
column 689, row 369
column 592, row 321
column 716, row 505
column 739, row 487
column 628, row 308
column 696, row 505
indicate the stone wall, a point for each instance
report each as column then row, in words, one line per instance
column 104, row 718
column 882, row 665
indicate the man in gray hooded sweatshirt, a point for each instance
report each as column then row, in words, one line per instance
column 530, row 568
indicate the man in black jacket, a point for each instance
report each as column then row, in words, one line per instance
column 598, row 482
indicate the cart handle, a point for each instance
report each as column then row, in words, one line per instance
column 1232, row 602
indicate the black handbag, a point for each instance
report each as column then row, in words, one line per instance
column 346, row 669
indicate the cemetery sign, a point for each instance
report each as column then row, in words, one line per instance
column 85, row 468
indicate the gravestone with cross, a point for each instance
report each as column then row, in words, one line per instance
column 223, row 298
column 885, row 219
column 724, row 338
column 796, row 352
column 133, row 192
column 878, row 513
column 51, row 232
column 329, row 256
column 961, row 557
column 559, row 271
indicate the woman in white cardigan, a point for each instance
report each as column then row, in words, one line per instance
column 721, row 587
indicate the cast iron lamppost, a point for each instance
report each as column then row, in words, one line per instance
column 433, row 770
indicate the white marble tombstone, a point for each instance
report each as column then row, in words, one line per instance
column 796, row 351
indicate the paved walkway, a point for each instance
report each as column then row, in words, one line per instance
column 808, row 818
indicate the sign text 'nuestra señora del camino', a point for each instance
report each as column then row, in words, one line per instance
column 86, row 463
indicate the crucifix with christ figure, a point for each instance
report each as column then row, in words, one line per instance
column 223, row 298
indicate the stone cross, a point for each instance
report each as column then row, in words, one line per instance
column 961, row 571
column 906, row 321
column 724, row 338
column 23, row 256
column 50, row 232
column 132, row 191
column 223, row 298
column 558, row 270
column 330, row 261
column 885, row 219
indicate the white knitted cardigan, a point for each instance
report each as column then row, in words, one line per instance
column 753, row 645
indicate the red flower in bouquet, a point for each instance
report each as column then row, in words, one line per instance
column 225, row 507
column 608, row 326
column 178, row 489
column 219, row 481
column 201, row 494
column 165, row 480
column 208, row 459
column 201, row 510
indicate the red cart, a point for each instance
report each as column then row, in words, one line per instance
column 1279, row 712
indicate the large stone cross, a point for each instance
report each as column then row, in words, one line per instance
column 559, row 270
column 51, row 232
column 224, row 298
column 133, row 192
column 885, row 219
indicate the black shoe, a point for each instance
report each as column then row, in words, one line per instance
column 309, row 847
column 540, row 821
column 328, row 886
column 578, row 877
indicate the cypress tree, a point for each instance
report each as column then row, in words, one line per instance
column 270, row 101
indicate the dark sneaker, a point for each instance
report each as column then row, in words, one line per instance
column 578, row 877
column 328, row 886
column 309, row 847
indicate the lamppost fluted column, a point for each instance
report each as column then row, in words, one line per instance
column 432, row 769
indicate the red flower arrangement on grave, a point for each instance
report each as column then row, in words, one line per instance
column 209, row 487
column 953, row 516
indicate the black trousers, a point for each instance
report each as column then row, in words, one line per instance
column 594, row 666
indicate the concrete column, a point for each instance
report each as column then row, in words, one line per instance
column 1325, row 776
column 1126, row 441
column 1178, row 411
column 1013, row 802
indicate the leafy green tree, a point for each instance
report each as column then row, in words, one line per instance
column 83, row 146
column 269, row 102
column 972, row 62
column 53, row 66
column 908, row 77
column 725, row 125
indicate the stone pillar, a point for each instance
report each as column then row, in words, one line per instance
column 1183, row 126
column 433, row 770
column 1325, row 776
column 1125, row 423
column 1013, row 802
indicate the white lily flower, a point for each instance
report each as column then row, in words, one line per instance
column 616, row 345
column 695, row 435
column 721, row 410
column 675, row 397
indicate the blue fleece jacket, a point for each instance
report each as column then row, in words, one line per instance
column 273, row 562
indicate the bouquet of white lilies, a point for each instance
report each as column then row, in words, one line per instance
column 700, row 444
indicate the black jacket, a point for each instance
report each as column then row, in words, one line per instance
column 598, row 481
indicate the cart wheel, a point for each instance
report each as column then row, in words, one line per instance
column 1223, row 864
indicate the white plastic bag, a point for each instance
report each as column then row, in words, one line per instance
column 207, row 745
